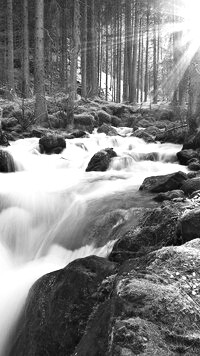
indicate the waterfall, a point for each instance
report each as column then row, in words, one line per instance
column 49, row 204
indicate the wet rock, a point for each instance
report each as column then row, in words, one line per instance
column 194, row 166
column 7, row 164
column 108, row 130
column 58, row 307
column 52, row 143
column 101, row 160
column 14, row 136
column 8, row 122
column 156, row 228
column 79, row 134
column 103, row 117
column 173, row 194
column 116, row 121
column 4, row 139
column 188, row 227
column 191, row 185
column 185, row 156
column 143, row 135
column 165, row 183
column 152, row 156
column 152, row 130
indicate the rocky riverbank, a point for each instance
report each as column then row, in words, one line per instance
column 149, row 123
column 143, row 300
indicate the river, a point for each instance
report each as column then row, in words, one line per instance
column 49, row 205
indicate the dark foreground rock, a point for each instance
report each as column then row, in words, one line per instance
column 150, row 307
column 165, row 183
column 101, row 160
column 58, row 307
column 7, row 164
column 153, row 309
column 52, row 143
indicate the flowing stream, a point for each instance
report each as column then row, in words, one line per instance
column 50, row 201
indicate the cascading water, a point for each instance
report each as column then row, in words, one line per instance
column 47, row 206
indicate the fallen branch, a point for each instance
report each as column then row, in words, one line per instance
column 176, row 127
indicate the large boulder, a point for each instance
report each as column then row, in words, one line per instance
column 116, row 121
column 84, row 121
column 103, row 117
column 191, row 185
column 185, row 156
column 7, row 164
column 152, row 310
column 165, row 183
column 155, row 229
column 143, row 135
column 108, row 130
column 58, row 307
column 52, row 143
column 101, row 160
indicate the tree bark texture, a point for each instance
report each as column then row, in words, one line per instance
column 40, row 103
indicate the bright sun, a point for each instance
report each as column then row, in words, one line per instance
column 191, row 12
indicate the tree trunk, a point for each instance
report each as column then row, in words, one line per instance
column 74, row 52
column 10, row 47
column 155, row 73
column 63, row 59
column 194, row 93
column 133, row 93
column 83, row 48
column 107, row 48
column 146, row 83
column 91, row 51
column 125, row 64
column 25, row 80
column 40, row 104
column 129, row 45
